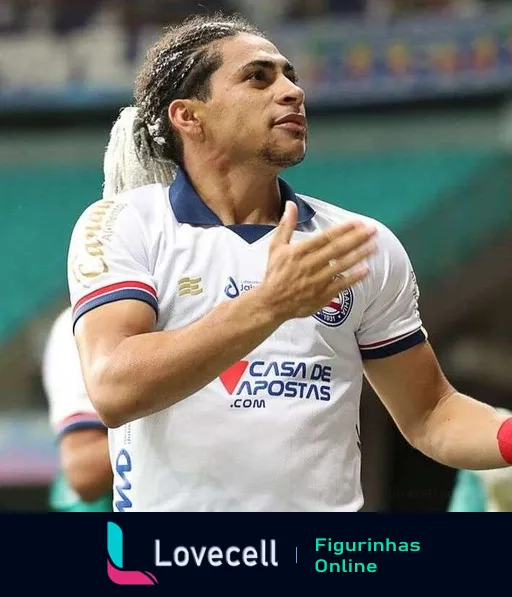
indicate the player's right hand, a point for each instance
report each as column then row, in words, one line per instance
column 303, row 277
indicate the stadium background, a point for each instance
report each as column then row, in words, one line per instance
column 410, row 123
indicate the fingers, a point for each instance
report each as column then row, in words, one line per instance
column 323, row 239
column 359, row 238
column 337, row 266
column 330, row 262
column 286, row 226
column 341, row 283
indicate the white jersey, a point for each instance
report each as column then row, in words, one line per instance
column 69, row 405
column 279, row 430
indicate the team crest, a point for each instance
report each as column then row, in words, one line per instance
column 337, row 311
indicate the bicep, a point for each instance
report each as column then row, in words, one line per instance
column 410, row 384
column 100, row 331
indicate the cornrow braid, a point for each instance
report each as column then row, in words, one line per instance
column 180, row 66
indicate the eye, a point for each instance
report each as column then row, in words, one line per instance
column 259, row 76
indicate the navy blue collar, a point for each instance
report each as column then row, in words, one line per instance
column 189, row 208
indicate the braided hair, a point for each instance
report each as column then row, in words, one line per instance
column 144, row 148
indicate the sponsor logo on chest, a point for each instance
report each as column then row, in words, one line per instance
column 252, row 383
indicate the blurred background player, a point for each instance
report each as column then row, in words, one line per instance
column 84, row 481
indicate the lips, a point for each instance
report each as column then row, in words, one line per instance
column 293, row 121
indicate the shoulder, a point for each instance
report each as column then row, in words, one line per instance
column 130, row 221
column 149, row 201
column 144, row 204
column 328, row 215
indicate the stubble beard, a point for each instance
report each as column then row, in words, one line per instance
column 279, row 158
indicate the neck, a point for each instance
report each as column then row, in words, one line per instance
column 238, row 195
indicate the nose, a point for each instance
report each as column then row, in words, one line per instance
column 290, row 93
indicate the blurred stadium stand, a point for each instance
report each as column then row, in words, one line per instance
column 410, row 123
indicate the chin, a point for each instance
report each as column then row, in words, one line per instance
column 284, row 157
column 297, row 157
column 290, row 160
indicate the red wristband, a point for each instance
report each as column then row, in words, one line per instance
column 505, row 440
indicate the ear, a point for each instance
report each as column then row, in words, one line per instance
column 184, row 116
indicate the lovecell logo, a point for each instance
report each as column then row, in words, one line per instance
column 265, row 554
column 116, row 573
column 180, row 556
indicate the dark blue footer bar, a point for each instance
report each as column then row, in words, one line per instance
column 234, row 554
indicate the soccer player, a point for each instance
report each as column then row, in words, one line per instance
column 84, row 483
column 224, row 322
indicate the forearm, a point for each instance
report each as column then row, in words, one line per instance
column 86, row 464
column 462, row 433
column 148, row 372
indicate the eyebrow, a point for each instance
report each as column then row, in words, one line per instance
column 288, row 67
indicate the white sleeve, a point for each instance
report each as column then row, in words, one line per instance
column 69, row 405
column 108, row 258
column 391, row 322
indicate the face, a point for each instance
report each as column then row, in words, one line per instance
column 256, row 109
